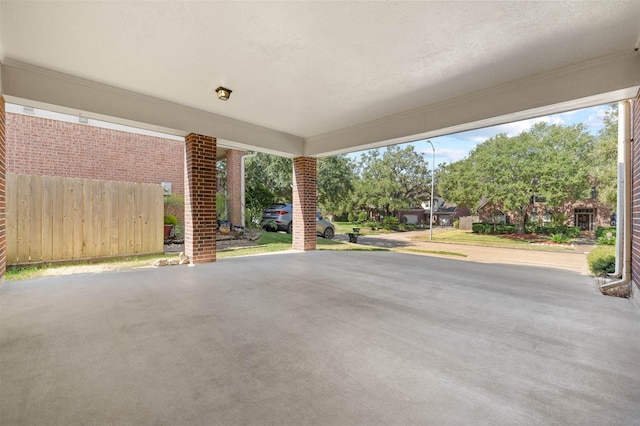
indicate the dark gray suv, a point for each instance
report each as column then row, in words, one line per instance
column 279, row 217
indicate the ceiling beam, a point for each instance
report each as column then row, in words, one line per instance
column 29, row 85
column 607, row 79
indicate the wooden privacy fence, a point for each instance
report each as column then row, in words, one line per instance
column 467, row 222
column 54, row 218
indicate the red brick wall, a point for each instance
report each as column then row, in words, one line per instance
column 3, row 205
column 42, row 146
column 200, row 198
column 304, row 203
column 635, row 191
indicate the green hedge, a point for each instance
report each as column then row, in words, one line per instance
column 493, row 228
column 569, row 231
column 602, row 260
column 530, row 228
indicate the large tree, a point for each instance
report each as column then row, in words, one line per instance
column 336, row 177
column 604, row 158
column 549, row 161
column 392, row 179
column 269, row 179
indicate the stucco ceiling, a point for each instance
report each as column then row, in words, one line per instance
column 311, row 70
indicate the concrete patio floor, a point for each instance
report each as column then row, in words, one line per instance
column 326, row 338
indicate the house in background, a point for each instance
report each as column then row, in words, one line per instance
column 443, row 213
column 586, row 214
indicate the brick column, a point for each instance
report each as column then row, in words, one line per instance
column 304, row 203
column 234, row 206
column 3, row 192
column 200, row 198
column 635, row 191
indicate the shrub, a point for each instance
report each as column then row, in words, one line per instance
column 373, row 225
column 170, row 220
column 390, row 222
column 560, row 238
column 602, row 231
column 363, row 217
column 602, row 260
column 569, row 231
column 481, row 228
column 503, row 228
column 490, row 228
column 351, row 218
column 456, row 223
column 605, row 241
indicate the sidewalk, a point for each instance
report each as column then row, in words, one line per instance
column 575, row 260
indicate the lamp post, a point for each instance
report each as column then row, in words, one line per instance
column 433, row 178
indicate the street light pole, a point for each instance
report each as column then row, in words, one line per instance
column 433, row 178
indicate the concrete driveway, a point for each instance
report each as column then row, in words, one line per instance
column 325, row 338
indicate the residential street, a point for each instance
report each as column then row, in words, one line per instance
column 575, row 260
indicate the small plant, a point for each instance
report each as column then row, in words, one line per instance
column 456, row 223
column 560, row 238
column 170, row 219
column 363, row 217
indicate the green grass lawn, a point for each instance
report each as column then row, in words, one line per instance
column 346, row 227
column 456, row 236
column 278, row 241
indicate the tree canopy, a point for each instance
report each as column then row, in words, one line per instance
column 549, row 161
column 396, row 178
column 604, row 158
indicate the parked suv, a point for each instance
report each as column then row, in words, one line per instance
column 279, row 217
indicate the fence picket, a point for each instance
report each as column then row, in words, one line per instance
column 54, row 218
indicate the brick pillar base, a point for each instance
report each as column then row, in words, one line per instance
column 234, row 206
column 200, row 198
column 304, row 203
column 3, row 192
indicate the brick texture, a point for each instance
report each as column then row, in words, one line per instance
column 3, row 191
column 234, row 159
column 40, row 146
column 635, row 191
column 304, row 203
column 200, row 198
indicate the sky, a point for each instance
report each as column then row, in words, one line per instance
column 452, row 148
column 448, row 149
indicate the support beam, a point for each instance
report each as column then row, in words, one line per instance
column 200, row 198
column 304, row 203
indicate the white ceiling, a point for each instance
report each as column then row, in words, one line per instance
column 315, row 78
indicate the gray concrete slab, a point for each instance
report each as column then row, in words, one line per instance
column 326, row 338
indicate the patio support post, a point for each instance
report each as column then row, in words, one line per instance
column 234, row 207
column 3, row 192
column 304, row 203
column 200, row 198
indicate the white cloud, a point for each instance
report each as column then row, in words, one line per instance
column 595, row 120
column 450, row 155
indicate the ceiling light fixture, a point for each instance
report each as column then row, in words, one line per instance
column 223, row 93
